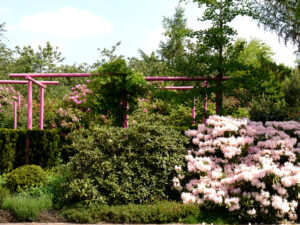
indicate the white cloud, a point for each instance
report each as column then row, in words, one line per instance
column 67, row 22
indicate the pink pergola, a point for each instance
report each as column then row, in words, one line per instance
column 30, row 77
column 189, row 87
column 194, row 101
column 30, row 80
column 29, row 107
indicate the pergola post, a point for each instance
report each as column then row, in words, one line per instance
column 29, row 105
column 15, row 114
column 19, row 107
column 194, row 111
column 42, row 108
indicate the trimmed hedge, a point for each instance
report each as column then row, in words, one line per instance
column 43, row 149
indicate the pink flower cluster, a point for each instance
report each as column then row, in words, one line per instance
column 245, row 166
column 7, row 95
column 78, row 94
column 70, row 118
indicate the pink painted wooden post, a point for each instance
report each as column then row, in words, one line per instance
column 126, row 116
column 205, row 85
column 29, row 106
column 15, row 114
column 42, row 92
column 194, row 111
column 19, row 107
column 29, row 122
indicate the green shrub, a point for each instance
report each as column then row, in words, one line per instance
column 25, row 177
column 26, row 208
column 120, row 166
column 3, row 193
column 161, row 212
column 265, row 109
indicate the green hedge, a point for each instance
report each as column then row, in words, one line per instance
column 43, row 149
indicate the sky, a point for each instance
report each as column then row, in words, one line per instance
column 80, row 27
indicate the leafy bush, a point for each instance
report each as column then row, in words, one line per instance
column 246, row 168
column 3, row 193
column 292, row 89
column 120, row 166
column 161, row 212
column 26, row 208
column 113, row 86
column 25, row 177
column 267, row 110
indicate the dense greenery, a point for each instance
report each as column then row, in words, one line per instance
column 121, row 166
column 26, row 208
column 160, row 212
column 43, row 148
column 24, row 177
column 116, row 89
column 97, row 171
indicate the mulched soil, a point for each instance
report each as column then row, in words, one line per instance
column 49, row 216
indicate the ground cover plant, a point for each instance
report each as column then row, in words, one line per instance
column 249, row 169
column 159, row 212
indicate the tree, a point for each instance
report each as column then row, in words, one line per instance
column 116, row 89
column 2, row 30
column 173, row 50
column 281, row 16
column 45, row 59
column 292, row 90
column 149, row 65
column 6, row 56
column 212, row 42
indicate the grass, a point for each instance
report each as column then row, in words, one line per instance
column 26, row 208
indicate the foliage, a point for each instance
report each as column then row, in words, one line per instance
column 256, row 76
column 216, row 216
column 267, row 110
column 160, row 212
column 24, row 177
column 173, row 51
column 44, row 59
column 292, row 89
column 213, row 41
column 281, row 17
column 149, row 65
column 115, row 86
column 43, row 149
column 4, row 192
column 121, row 166
column 26, row 208
column 248, row 169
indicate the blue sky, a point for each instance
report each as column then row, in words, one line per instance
column 80, row 27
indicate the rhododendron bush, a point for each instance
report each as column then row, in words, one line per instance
column 250, row 168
